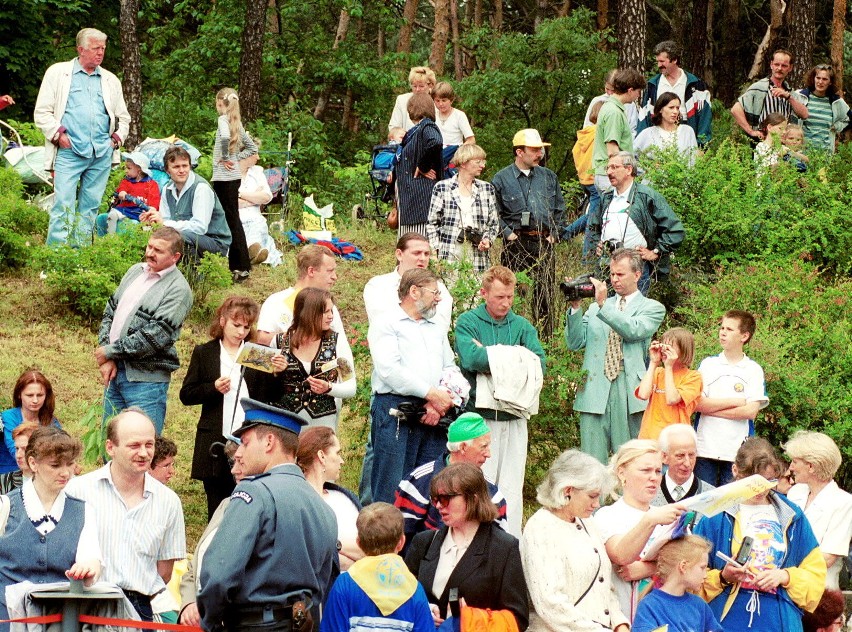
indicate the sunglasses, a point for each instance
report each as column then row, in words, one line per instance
column 443, row 499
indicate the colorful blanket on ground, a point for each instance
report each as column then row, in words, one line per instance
column 343, row 249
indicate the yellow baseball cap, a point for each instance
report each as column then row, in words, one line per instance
column 528, row 138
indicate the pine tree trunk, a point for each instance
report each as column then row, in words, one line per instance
column 131, row 66
column 440, row 36
column 729, row 58
column 838, row 28
column 498, row 15
column 698, row 44
column 603, row 14
column 409, row 13
column 632, row 27
column 801, row 30
column 457, row 55
column 251, row 60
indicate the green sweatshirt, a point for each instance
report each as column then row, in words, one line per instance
column 477, row 324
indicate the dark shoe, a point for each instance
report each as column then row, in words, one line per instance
column 239, row 276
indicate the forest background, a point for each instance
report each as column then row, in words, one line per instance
column 327, row 72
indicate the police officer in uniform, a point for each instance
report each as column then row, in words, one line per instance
column 273, row 560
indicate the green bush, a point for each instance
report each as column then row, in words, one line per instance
column 85, row 278
column 804, row 333
column 21, row 224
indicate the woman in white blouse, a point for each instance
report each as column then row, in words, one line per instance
column 48, row 536
column 568, row 573
column 254, row 191
column 667, row 131
column 815, row 461
column 320, row 459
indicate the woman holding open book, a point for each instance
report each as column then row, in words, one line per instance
column 314, row 371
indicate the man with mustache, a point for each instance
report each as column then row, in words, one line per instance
column 411, row 355
column 136, row 355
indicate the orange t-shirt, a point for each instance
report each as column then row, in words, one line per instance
column 659, row 414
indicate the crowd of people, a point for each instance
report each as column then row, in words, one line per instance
column 436, row 530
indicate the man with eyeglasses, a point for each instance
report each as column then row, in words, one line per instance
column 634, row 216
column 770, row 94
column 411, row 357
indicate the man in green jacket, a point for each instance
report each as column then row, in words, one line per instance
column 485, row 327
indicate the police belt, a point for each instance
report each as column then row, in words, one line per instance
column 257, row 615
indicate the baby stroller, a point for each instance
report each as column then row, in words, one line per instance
column 382, row 163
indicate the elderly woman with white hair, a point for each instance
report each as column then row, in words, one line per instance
column 628, row 523
column 815, row 459
column 569, row 576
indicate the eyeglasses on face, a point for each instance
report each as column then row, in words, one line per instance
column 429, row 289
column 443, row 499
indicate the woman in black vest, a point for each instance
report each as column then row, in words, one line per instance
column 315, row 369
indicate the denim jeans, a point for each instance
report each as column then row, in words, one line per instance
column 149, row 396
column 197, row 245
column 399, row 447
column 72, row 218
column 713, row 471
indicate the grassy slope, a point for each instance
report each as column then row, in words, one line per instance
column 36, row 331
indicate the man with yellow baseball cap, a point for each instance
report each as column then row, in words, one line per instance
column 532, row 215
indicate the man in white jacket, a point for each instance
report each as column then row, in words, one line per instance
column 81, row 112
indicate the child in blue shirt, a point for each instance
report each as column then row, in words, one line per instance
column 681, row 566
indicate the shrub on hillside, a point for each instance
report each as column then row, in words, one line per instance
column 804, row 333
column 21, row 224
column 733, row 214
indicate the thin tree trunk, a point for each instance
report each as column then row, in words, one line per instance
column 251, row 60
column 801, row 31
column 440, row 36
column 498, row 15
column 838, row 28
column 380, row 43
column 409, row 13
column 325, row 95
column 767, row 45
column 698, row 44
column 632, row 27
column 131, row 65
column 454, row 25
column 708, row 74
column 729, row 56
column 564, row 9
column 603, row 14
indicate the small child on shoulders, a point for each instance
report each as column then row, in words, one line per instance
column 138, row 192
column 670, row 386
column 378, row 592
column 681, row 567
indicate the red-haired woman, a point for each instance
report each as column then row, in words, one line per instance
column 33, row 400
column 213, row 381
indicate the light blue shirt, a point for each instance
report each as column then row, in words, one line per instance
column 409, row 355
column 133, row 539
column 86, row 120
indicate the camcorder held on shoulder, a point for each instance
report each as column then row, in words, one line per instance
column 578, row 288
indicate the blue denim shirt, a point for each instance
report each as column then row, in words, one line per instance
column 538, row 193
column 86, row 120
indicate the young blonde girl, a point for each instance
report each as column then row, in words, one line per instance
column 768, row 151
column 232, row 144
column 681, row 566
column 670, row 386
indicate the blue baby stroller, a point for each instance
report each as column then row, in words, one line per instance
column 382, row 163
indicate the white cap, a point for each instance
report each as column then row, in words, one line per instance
column 140, row 160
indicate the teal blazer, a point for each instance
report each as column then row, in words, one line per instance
column 636, row 325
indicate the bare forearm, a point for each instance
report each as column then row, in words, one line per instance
column 673, row 397
column 646, row 386
column 711, row 405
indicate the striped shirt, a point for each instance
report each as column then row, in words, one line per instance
column 817, row 126
column 776, row 104
column 133, row 540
